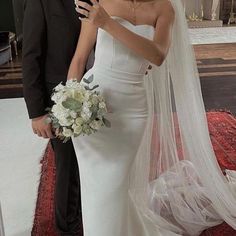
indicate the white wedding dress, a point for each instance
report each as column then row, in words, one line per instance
column 154, row 172
column 105, row 158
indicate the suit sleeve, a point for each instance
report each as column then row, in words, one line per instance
column 34, row 44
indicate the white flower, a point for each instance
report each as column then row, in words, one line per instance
column 87, row 104
column 86, row 113
column 73, row 79
column 73, row 114
column 67, row 132
column 96, row 124
column 59, row 87
column 59, row 111
column 94, row 99
column 102, row 105
column 79, row 121
column 101, row 112
column 87, row 129
column 71, row 83
column 66, row 121
column 58, row 97
column 79, row 95
column 100, row 98
column 55, row 97
column 77, row 129
column 62, row 115
column 87, row 94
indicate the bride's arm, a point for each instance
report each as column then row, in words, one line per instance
column 87, row 39
column 153, row 50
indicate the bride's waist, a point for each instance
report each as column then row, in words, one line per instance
column 116, row 74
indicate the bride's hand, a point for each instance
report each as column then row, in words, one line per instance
column 95, row 14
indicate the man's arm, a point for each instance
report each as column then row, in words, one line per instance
column 34, row 43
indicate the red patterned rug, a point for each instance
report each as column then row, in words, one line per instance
column 222, row 126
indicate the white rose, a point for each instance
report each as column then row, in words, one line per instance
column 87, row 129
column 58, row 97
column 55, row 97
column 72, row 83
column 59, row 111
column 94, row 99
column 87, row 94
column 69, row 93
column 66, row 121
column 101, row 112
column 100, row 98
column 87, row 104
column 86, row 113
column 79, row 121
column 102, row 105
column 96, row 124
column 73, row 114
column 77, row 129
column 62, row 98
column 79, row 95
column 67, row 132
column 59, row 87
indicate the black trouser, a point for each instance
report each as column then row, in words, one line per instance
column 67, row 190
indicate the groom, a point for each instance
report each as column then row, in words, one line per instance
column 51, row 31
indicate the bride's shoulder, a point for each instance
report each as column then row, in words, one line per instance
column 164, row 7
column 106, row 1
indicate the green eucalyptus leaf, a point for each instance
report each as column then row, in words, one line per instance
column 93, row 116
column 89, row 79
column 72, row 104
column 106, row 122
column 94, row 87
column 86, row 81
column 90, row 89
column 94, row 108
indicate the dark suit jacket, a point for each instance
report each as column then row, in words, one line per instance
column 50, row 35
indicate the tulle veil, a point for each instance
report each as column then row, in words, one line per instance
column 176, row 184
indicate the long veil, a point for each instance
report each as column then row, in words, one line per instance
column 176, row 184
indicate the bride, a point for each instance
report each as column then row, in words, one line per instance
column 154, row 172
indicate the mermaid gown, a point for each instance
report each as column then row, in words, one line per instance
column 105, row 158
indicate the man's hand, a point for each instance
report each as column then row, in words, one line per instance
column 41, row 128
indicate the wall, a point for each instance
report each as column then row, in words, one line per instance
column 195, row 6
column 11, row 16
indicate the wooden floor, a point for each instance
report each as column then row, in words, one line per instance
column 209, row 51
column 217, row 68
column 216, row 64
column 11, row 79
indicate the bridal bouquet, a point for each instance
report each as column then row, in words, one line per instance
column 78, row 109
